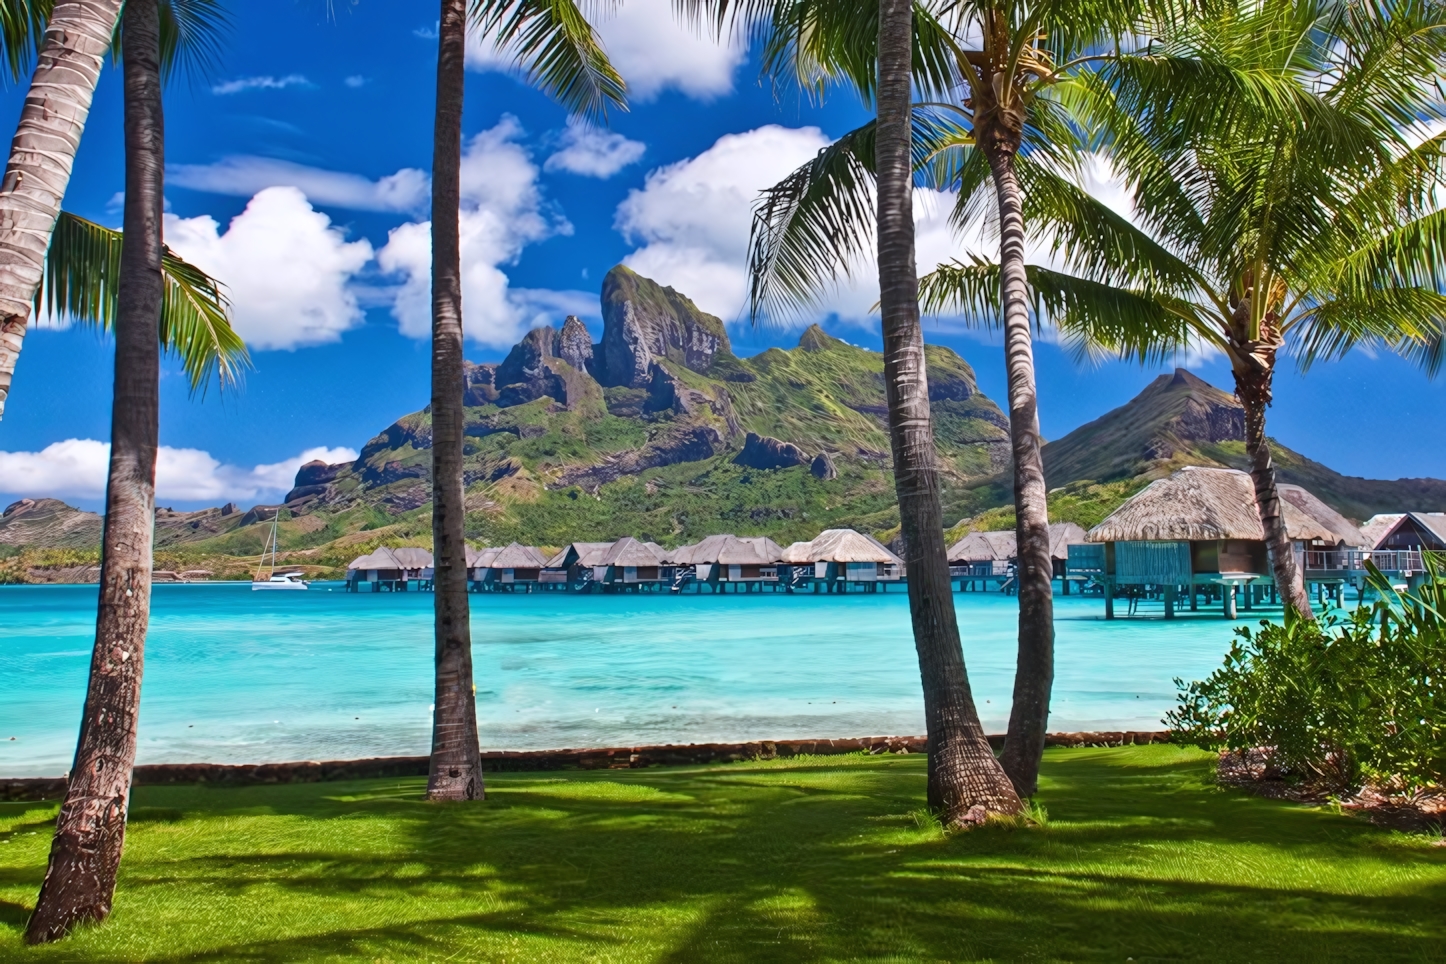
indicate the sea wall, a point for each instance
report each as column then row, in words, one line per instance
column 606, row 758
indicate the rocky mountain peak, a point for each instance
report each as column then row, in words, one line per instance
column 644, row 322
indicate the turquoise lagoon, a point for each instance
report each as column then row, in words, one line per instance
column 235, row 676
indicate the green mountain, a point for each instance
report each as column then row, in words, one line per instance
column 659, row 431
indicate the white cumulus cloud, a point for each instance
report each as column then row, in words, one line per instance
column 502, row 212
column 285, row 267
column 692, row 218
column 244, row 175
column 76, row 468
column 593, row 152
column 260, row 83
column 650, row 49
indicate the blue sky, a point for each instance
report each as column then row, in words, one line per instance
column 297, row 174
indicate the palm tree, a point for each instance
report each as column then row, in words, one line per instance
column 1285, row 198
column 806, row 231
column 558, row 50
column 77, row 37
column 85, row 853
column 811, row 227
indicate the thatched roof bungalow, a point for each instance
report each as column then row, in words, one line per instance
column 1415, row 531
column 379, row 564
column 1201, row 526
column 516, row 563
column 845, row 554
column 581, row 554
column 1374, row 529
column 992, row 553
column 729, row 558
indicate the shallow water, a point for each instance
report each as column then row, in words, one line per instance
column 235, row 676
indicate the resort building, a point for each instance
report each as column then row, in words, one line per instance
column 389, row 569
column 840, row 560
column 720, row 561
column 630, row 564
column 1198, row 532
column 514, row 566
column 575, row 565
column 984, row 557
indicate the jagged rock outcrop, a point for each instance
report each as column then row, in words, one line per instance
column 643, row 322
column 574, row 345
column 479, row 384
column 823, row 468
column 764, row 452
column 311, row 479
column 534, row 369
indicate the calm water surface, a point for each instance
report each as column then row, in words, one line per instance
column 235, row 676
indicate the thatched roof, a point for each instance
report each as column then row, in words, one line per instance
column 412, row 558
column 797, row 553
column 984, row 547
column 729, row 550
column 483, row 558
column 1378, row 526
column 840, row 545
column 1002, row 544
column 1344, row 530
column 380, row 558
column 630, row 552
column 585, row 553
column 1431, row 522
column 1200, row 504
column 518, row 556
column 1061, row 536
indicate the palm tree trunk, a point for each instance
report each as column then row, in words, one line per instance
column 1034, row 671
column 1253, row 389
column 85, row 854
column 456, row 769
column 77, row 38
column 963, row 773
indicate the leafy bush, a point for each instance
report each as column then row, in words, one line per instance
column 1342, row 700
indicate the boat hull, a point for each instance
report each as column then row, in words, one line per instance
column 279, row 585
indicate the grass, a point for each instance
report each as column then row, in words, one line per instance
column 814, row 859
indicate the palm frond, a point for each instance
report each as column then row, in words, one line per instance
column 82, row 282
column 22, row 24
column 193, row 35
column 1409, row 321
column 1094, row 319
column 558, row 49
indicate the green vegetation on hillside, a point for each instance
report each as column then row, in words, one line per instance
column 813, row 859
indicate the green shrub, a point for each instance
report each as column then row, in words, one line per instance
column 1341, row 700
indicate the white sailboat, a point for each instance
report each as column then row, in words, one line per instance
column 274, row 579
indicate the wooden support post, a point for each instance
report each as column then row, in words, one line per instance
column 1169, row 602
column 1109, row 600
column 1228, row 592
column 1064, row 585
column 1194, row 599
column 1248, row 594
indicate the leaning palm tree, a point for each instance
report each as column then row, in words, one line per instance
column 77, row 37
column 556, row 47
column 811, row 228
column 1286, row 197
column 151, row 304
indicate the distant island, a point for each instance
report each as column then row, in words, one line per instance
column 659, row 431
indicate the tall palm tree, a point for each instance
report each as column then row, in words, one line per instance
column 558, row 50
column 809, row 228
column 151, row 306
column 976, row 140
column 1285, row 197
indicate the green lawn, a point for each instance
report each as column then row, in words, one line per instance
column 800, row 860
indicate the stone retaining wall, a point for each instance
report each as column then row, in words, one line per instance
column 610, row 758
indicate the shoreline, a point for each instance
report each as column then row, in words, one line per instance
column 16, row 789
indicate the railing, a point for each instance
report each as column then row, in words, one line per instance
column 1354, row 560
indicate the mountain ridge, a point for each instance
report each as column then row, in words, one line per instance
column 659, row 431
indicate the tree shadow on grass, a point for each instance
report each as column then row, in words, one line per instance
column 805, row 861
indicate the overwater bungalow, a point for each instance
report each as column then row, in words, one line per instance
column 630, row 564
column 720, row 561
column 515, row 566
column 380, row 569
column 983, row 557
column 1199, row 532
column 575, row 565
column 840, row 560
